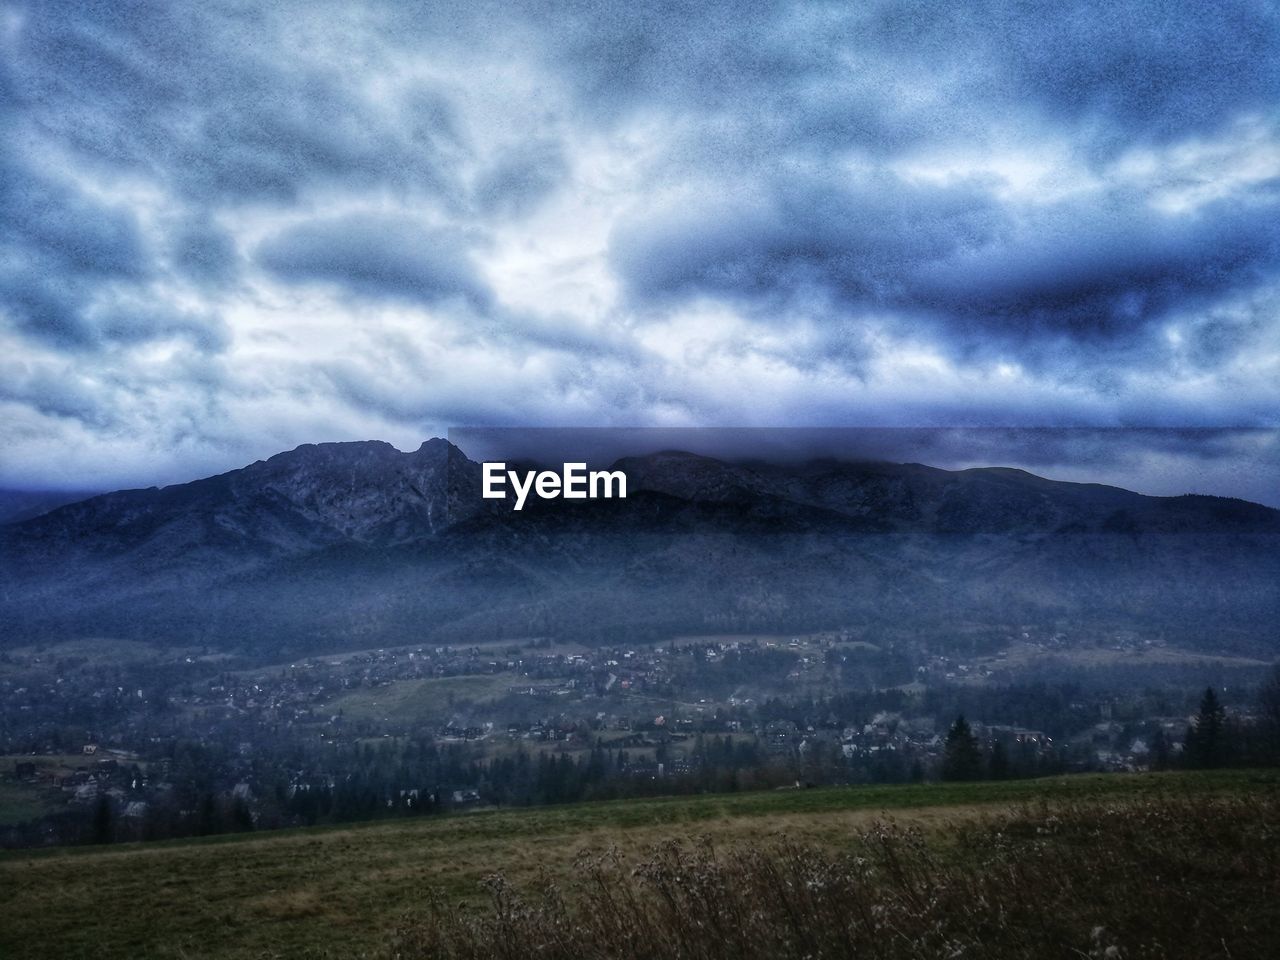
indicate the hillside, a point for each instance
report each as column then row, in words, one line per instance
column 358, row 544
column 19, row 505
column 340, row 892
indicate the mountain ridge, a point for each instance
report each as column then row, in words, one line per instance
column 326, row 542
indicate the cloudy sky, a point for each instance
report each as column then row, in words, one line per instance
column 232, row 228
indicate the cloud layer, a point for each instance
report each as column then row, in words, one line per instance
column 229, row 228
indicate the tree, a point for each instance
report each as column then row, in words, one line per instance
column 962, row 759
column 1159, row 751
column 1206, row 745
column 1269, row 716
column 208, row 821
column 241, row 815
column 103, row 820
column 998, row 762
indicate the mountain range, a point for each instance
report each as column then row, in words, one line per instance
column 19, row 505
column 358, row 544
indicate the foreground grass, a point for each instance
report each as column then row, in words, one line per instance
column 1141, row 876
column 339, row 892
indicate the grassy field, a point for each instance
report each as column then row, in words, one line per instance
column 420, row 701
column 20, row 802
column 337, row 892
column 1194, row 876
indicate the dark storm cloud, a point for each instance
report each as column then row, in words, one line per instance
column 629, row 54
column 876, row 212
column 43, row 311
column 1124, row 71
column 71, row 266
column 223, row 101
column 62, row 229
column 376, row 256
column 203, row 251
column 854, row 242
column 201, row 102
column 978, row 271
column 60, row 248
column 883, row 75
column 139, row 323
column 521, row 177
column 67, row 319
column 51, row 393
column 1104, row 274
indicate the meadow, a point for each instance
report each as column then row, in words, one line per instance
column 426, row 887
column 419, row 701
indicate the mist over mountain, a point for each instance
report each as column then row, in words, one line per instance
column 19, row 505
column 357, row 544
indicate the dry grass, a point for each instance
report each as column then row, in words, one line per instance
column 340, row 892
column 1135, row 878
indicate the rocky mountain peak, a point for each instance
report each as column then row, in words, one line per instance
column 336, row 539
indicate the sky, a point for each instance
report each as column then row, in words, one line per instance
column 229, row 228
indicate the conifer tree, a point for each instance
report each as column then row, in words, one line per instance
column 998, row 763
column 1269, row 716
column 962, row 759
column 103, row 820
column 1206, row 745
